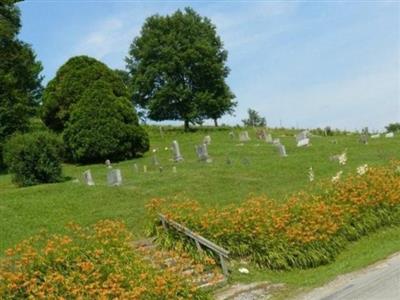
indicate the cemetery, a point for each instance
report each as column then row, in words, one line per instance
column 123, row 190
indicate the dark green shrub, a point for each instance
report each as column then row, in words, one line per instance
column 72, row 80
column 104, row 126
column 33, row 158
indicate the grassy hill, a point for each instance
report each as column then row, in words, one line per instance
column 255, row 168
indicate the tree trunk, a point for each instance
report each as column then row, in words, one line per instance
column 186, row 125
column 216, row 122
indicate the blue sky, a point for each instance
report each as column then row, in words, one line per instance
column 300, row 64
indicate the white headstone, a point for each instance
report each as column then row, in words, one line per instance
column 375, row 136
column 302, row 135
column 114, row 177
column 173, row 169
column 176, row 152
column 154, row 160
column 389, row 135
column 303, row 142
column 144, row 169
column 244, row 136
column 207, row 140
column 87, row 178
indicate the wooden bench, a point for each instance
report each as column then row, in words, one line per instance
column 199, row 240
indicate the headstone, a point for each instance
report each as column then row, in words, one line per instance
column 282, row 150
column 176, row 152
column 161, row 132
column 114, row 177
column 173, row 169
column 244, row 136
column 87, row 178
column 268, row 138
column 144, row 169
column 154, row 160
column 276, row 141
column 389, row 135
column 202, row 153
column 136, row 168
column 232, row 135
column 375, row 136
column 363, row 139
column 303, row 142
column 108, row 163
column 302, row 135
column 207, row 140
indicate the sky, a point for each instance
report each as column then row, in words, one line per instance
column 299, row 64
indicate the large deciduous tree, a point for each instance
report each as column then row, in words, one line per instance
column 20, row 80
column 178, row 68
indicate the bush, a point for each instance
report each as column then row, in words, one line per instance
column 90, row 263
column 306, row 231
column 73, row 78
column 104, row 126
column 33, row 158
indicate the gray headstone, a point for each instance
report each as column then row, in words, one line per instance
column 161, row 132
column 136, row 168
column 363, row 139
column 282, row 150
column 114, row 177
column 176, row 152
column 154, row 160
column 202, row 153
column 108, row 163
column 244, row 136
column 87, row 178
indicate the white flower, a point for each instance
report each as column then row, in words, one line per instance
column 336, row 177
column 244, row 271
column 311, row 174
column 343, row 158
column 361, row 170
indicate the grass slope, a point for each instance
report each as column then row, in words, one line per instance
column 24, row 211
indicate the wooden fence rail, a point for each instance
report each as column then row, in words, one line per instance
column 199, row 240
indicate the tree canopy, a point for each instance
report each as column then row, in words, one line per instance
column 254, row 119
column 178, row 69
column 20, row 80
column 71, row 81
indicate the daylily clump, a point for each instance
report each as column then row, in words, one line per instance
column 90, row 263
column 305, row 231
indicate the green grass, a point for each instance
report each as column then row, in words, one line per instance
column 25, row 211
column 362, row 253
